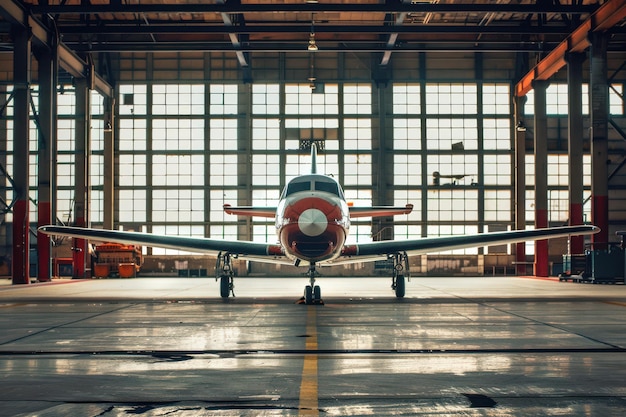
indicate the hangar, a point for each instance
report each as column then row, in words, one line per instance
column 150, row 116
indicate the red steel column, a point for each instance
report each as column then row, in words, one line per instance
column 541, row 177
column 21, row 226
column 599, row 101
column 520, row 183
column 47, row 141
column 81, row 196
column 575, row 146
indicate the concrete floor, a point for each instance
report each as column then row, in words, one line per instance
column 452, row 347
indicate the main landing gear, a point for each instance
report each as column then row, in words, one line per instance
column 400, row 267
column 312, row 292
column 224, row 272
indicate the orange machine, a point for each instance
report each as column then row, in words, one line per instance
column 115, row 258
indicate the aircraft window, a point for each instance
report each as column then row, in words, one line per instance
column 296, row 187
column 329, row 187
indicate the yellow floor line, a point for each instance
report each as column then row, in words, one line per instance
column 308, row 387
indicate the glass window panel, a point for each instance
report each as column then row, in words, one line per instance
column 223, row 134
column 266, row 134
column 265, row 169
column 132, row 134
column 178, row 205
column 357, row 169
column 265, row 99
column 177, row 134
column 407, row 170
column 497, row 134
column 357, row 99
column 357, row 134
column 558, row 206
column 446, row 205
column 223, row 169
column 558, row 170
column 451, row 98
column 407, row 134
column 498, row 170
column 442, row 134
column 496, row 99
column 263, row 232
column 134, row 170
column 66, row 101
column 132, row 206
column 223, row 99
column 498, row 206
column 301, row 99
column 406, row 99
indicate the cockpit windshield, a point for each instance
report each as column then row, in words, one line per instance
column 308, row 184
column 328, row 187
column 298, row 186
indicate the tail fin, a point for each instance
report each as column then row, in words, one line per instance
column 313, row 158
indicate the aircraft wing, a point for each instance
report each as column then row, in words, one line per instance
column 186, row 243
column 379, row 211
column 444, row 243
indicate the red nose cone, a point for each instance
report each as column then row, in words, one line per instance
column 311, row 230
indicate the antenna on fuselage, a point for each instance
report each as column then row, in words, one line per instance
column 313, row 158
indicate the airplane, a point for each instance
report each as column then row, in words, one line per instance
column 312, row 221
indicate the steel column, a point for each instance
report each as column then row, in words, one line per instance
column 599, row 100
column 109, row 163
column 575, row 146
column 21, row 221
column 520, row 182
column 541, row 176
column 47, row 140
column 81, row 196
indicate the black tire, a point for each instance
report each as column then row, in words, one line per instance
column 400, row 287
column 317, row 293
column 308, row 295
column 225, row 286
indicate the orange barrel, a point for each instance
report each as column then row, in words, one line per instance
column 101, row 270
column 126, row 270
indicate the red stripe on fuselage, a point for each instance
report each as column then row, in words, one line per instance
column 322, row 247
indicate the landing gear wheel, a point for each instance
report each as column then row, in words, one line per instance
column 399, row 286
column 308, row 295
column 317, row 294
column 225, row 286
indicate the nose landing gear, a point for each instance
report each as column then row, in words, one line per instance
column 312, row 292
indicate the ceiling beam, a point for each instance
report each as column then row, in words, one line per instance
column 227, row 7
column 296, row 46
column 133, row 28
column 607, row 16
